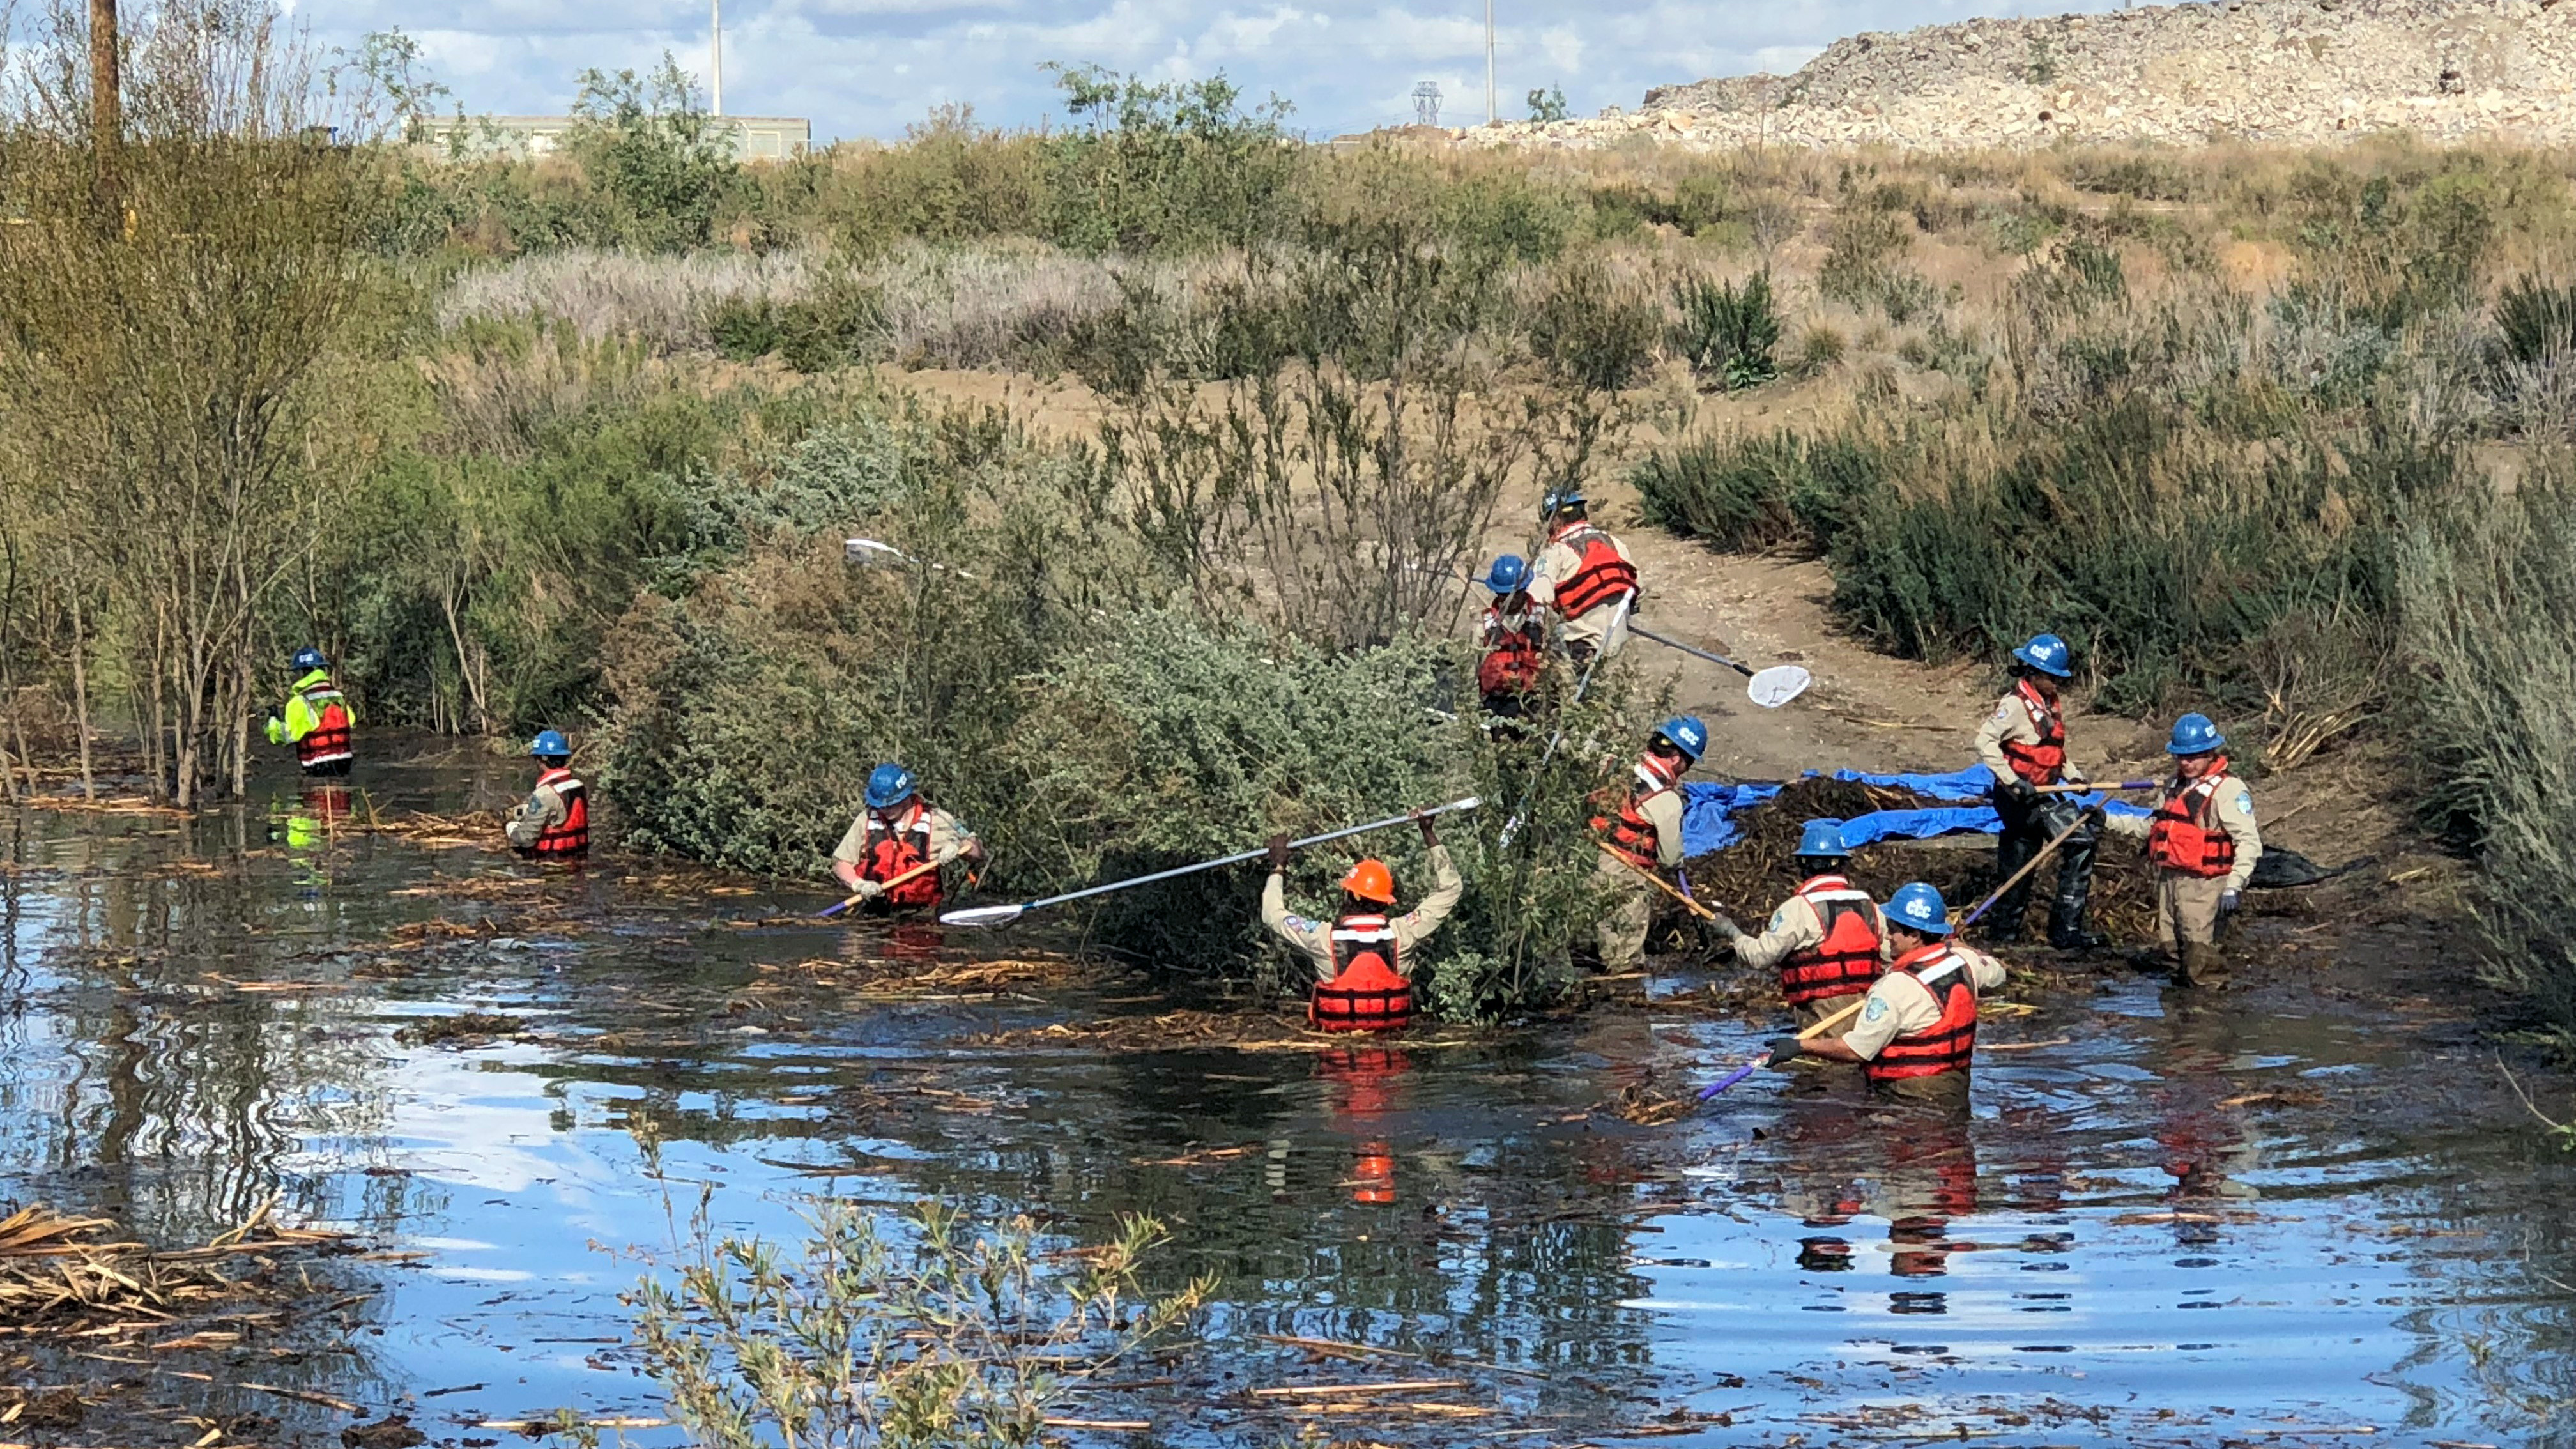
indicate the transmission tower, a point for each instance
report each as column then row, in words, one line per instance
column 1426, row 103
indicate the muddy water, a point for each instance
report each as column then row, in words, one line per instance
column 2285, row 1218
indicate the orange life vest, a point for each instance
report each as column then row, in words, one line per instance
column 2186, row 835
column 328, row 742
column 572, row 837
column 2043, row 763
column 1947, row 1044
column 1846, row 961
column 894, row 849
column 1367, row 992
column 1600, row 575
column 1514, row 656
column 1630, row 832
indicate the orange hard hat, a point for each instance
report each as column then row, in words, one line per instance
column 1370, row 880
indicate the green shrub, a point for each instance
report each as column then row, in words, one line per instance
column 1595, row 330
column 1728, row 334
column 2488, row 584
column 944, row 1333
column 1759, row 492
column 1165, row 167
column 2537, row 320
column 653, row 151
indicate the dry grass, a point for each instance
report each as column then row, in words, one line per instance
column 662, row 301
column 64, row 1275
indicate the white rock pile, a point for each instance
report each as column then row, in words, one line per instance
column 2271, row 70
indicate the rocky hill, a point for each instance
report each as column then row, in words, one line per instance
column 2283, row 70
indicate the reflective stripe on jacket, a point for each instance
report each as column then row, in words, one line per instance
column 1368, row 991
column 571, row 836
column 1948, row 1044
column 326, row 740
column 2186, row 835
column 1846, row 961
column 1599, row 579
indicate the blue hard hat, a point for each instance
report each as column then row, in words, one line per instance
column 1918, row 907
column 2194, row 735
column 1824, row 840
column 889, row 785
column 2048, row 654
column 551, row 742
column 1508, row 575
column 1686, row 732
column 310, row 658
column 1558, row 501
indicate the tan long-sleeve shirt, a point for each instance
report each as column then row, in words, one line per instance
column 2009, row 722
column 1606, row 625
column 1315, row 938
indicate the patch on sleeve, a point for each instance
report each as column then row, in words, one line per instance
column 2004, row 708
column 2245, row 801
column 1877, row 1008
column 1301, row 925
column 1778, row 918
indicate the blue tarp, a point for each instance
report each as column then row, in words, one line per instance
column 1708, row 810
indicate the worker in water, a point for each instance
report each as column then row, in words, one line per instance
column 1644, row 833
column 2204, row 843
column 893, row 853
column 554, row 822
column 2023, row 743
column 318, row 721
column 1917, row 1027
column 1363, row 958
column 1586, row 577
column 1515, row 641
column 1827, row 939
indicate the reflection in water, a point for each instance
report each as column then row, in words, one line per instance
column 2182, row 1209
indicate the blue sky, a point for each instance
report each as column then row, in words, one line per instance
column 871, row 67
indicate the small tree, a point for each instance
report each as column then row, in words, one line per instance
column 157, row 344
column 1548, row 105
column 647, row 142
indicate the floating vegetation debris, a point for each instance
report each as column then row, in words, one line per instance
column 469, row 1026
column 63, row 1275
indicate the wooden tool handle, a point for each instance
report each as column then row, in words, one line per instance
column 882, row 887
column 1661, row 884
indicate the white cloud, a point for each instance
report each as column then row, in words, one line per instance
column 871, row 67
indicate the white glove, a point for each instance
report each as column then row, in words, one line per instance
column 869, row 890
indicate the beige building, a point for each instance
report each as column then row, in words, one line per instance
column 755, row 138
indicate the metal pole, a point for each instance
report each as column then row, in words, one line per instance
column 715, row 53
column 1489, row 63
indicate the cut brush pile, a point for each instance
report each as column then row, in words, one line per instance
column 1750, row 877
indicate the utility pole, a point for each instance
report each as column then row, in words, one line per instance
column 1489, row 63
column 715, row 53
column 106, row 108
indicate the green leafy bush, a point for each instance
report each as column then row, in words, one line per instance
column 943, row 1333
column 1725, row 333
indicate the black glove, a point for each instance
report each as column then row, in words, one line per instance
column 2017, row 790
column 1278, row 853
column 1785, row 1048
column 1430, row 831
column 2096, row 815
